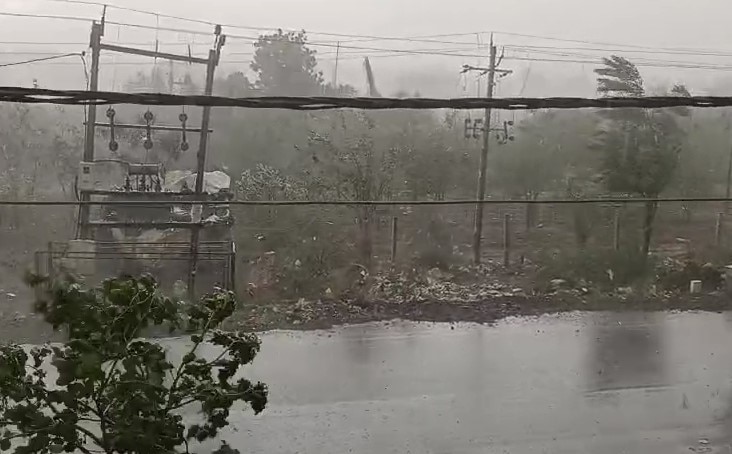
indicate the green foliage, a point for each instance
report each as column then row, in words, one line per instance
column 116, row 392
column 285, row 66
column 641, row 147
column 267, row 183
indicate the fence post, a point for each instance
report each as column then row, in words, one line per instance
column 49, row 261
column 394, row 232
column 616, row 230
column 506, row 240
column 528, row 215
column 718, row 229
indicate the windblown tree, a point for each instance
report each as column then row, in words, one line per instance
column 640, row 147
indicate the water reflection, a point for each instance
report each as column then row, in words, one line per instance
column 627, row 351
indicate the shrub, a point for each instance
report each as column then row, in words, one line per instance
column 117, row 392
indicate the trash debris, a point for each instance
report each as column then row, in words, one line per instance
column 557, row 284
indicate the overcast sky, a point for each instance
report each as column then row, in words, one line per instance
column 670, row 24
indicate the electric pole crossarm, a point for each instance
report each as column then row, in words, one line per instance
column 151, row 127
column 153, row 54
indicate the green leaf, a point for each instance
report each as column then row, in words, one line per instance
column 105, row 365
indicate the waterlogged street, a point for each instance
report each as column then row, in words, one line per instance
column 578, row 383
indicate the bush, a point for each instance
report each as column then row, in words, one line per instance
column 117, row 392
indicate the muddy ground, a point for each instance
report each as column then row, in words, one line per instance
column 326, row 314
column 302, row 315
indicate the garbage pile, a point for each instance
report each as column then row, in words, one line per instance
column 437, row 286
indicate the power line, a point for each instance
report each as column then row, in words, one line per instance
column 47, row 16
column 639, row 64
column 405, row 53
column 453, row 52
column 635, row 60
column 635, row 48
column 155, row 203
column 134, row 10
column 122, row 24
column 661, row 64
column 361, row 37
column 597, row 43
column 700, row 52
column 77, row 97
column 166, row 29
column 36, row 60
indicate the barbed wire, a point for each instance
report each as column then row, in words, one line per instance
column 157, row 203
column 81, row 97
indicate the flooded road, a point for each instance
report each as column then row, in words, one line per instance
column 581, row 383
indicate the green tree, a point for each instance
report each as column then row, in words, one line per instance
column 349, row 160
column 640, row 146
column 115, row 391
column 286, row 66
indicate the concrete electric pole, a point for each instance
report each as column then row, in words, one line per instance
column 491, row 71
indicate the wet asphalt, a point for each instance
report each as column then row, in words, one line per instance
column 577, row 383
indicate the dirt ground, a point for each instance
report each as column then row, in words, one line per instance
column 326, row 314
column 22, row 327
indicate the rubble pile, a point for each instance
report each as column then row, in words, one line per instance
column 438, row 286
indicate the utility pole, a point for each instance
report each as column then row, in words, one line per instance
column 85, row 230
column 486, row 130
column 335, row 71
column 213, row 61
column 729, row 177
column 95, row 43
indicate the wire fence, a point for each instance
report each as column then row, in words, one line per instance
column 287, row 248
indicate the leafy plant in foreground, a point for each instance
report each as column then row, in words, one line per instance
column 116, row 392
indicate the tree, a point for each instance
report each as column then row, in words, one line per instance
column 348, row 161
column 641, row 146
column 117, row 392
column 285, row 66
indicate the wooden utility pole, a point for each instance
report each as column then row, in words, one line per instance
column 213, row 61
column 478, row 226
column 95, row 44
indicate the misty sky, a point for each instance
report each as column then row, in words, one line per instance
column 670, row 24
